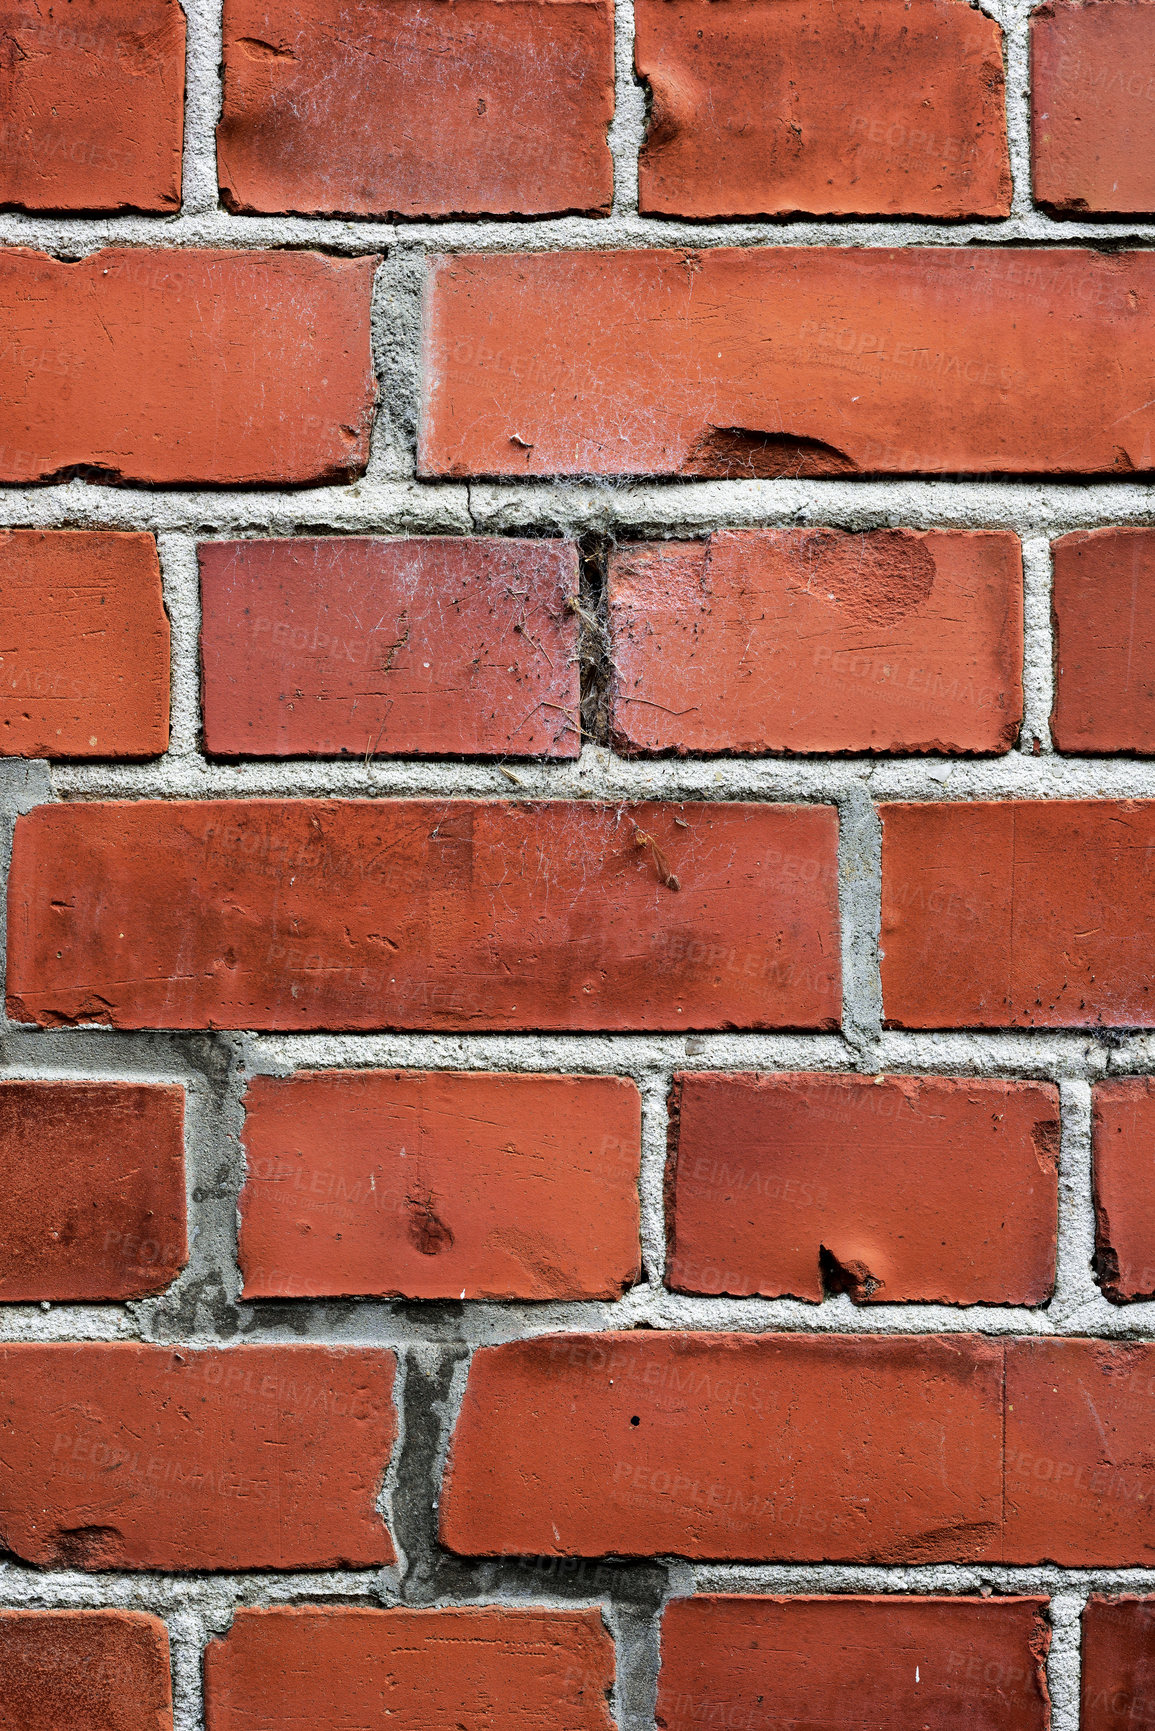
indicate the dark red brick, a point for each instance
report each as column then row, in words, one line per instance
column 891, row 1188
column 387, row 648
column 470, row 106
column 424, row 914
column 94, row 1185
column 1023, row 914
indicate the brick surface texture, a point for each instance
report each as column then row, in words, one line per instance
column 577, row 865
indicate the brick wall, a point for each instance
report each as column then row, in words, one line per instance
column 577, row 1090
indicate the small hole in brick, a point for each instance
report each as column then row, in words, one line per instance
column 635, row 1419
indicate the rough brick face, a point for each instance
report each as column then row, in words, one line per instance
column 326, row 1669
column 425, row 914
column 1124, row 1147
column 980, row 930
column 418, row 647
column 1079, row 1454
column 87, row 1670
column 874, row 107
column 1118, row 1684
column 1093, row 106
column 471, row 106
column 957, row 1664
column 813, row 640
column 94, row 1182
column 728, row 1445
column 803, row 361
column 1104, row 618
column 93, row 105
column 210, row 367
column 440, row 1186
column 896, row 1449
column 146, row 1457
column 84, row 645
column 895, row 1188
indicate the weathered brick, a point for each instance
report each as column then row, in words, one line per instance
column 94, row 1185
column 84, row 645
column 223, row 368
column 93, row 105
column 440, row 1185
column 425, row 914
column 889, row 1188
column 1118, row 1662
column 904, row 1662
column 815, row 640
column 1103, row 605
column 126, row 1456
column 900, row 1449
column 1093, row 106
column 329, row 1668
column 876, row 108
column 726, row 1445
column 1079, row 1454
column 1027, row 914
column 470, row 106
column 798, row 361
column 1124, row 1152
column 84, row 1670
column 425, row 647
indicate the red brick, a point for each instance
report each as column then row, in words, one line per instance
column 472, row 106
column 125, row 1456
column 1024, row 914
column 801, row 361
column 1092, row 113
column 92, row 1175
column 1124, row 1146
column 1118, row 1668
column 315, row 648
column 1080, row 1451
column 84, row 645
column 93, row 105
column 890, row 1188
column 906, row 1663
column 816, row 640
column 87, row 1670
column 425, row 914
column 329, row 1668
column 440, row 1185
column 879, row 108
column 856, row 1448
column 1103, row 602
column 222, row 368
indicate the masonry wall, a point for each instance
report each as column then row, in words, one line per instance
column 576, row 690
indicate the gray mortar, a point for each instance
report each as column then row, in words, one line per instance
column 434, row 1342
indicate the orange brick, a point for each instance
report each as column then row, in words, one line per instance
column 811, row 640
column 84, row 645
column 440, row 1185
column 883, row 107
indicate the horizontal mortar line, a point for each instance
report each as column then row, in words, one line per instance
column 1056, row 1051
column 625, row 231
column 398, row 1324
column 25, row 1588
column 598, row 778
column 661, row 507
column 954, row 1578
